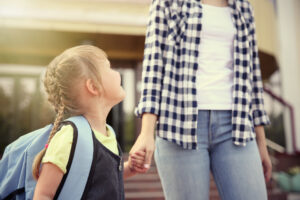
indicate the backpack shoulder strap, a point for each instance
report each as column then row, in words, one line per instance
column 78, row 174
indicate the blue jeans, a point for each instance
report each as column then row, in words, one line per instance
column 237, row 170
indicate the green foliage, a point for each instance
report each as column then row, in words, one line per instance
column 5, row 119
column 16, row 120
column 129, row 131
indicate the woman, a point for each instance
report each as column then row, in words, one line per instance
column 202, row 92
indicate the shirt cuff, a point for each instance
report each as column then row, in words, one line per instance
column 147, row 105
column 260, row 118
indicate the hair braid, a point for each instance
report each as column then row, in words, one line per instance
column 59, row 117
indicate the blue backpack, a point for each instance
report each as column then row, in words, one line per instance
column 16, row 180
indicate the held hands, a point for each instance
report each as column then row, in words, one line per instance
column 143, row 147
column 134, row 164
column 136, row 161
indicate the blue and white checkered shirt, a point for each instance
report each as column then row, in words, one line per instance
column 170, row 65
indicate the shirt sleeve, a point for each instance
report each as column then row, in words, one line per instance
column 259, row 114
column 152, row 74
column 58, row 151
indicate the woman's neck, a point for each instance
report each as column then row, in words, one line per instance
column 219, row 3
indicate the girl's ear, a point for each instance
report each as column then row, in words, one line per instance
column 91, row 87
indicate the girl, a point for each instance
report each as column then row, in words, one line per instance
column 202, row 92
column 80, row 81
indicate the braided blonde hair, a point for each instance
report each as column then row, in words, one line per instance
column 63, row 72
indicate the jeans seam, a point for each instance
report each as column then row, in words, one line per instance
column 209, row 128
column 220, row 189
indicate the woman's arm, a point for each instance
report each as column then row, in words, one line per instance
column 258, row 112
column 153, row 63
column 48, row 182
column 152, row 80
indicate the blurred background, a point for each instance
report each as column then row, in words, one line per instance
column 33, row 32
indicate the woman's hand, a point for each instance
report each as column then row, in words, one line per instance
column 264, row 155
column 145, row 142
column 266, row 162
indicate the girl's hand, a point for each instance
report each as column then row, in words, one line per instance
column 137, row 161
column 134, row 164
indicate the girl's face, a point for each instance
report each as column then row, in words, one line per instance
column 111, row 83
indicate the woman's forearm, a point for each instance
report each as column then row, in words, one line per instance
column 260, row 135
column 148, row 124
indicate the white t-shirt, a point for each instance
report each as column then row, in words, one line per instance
column 215, row 72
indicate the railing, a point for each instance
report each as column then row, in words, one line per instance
column 273, row 145
column 276, row 147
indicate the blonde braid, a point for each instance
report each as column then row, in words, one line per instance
column 60, row 108
column 58, row 119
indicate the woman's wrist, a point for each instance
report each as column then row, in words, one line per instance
column 147, row 134
column 148, row 124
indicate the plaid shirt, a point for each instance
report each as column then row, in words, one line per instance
column 170, row 65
